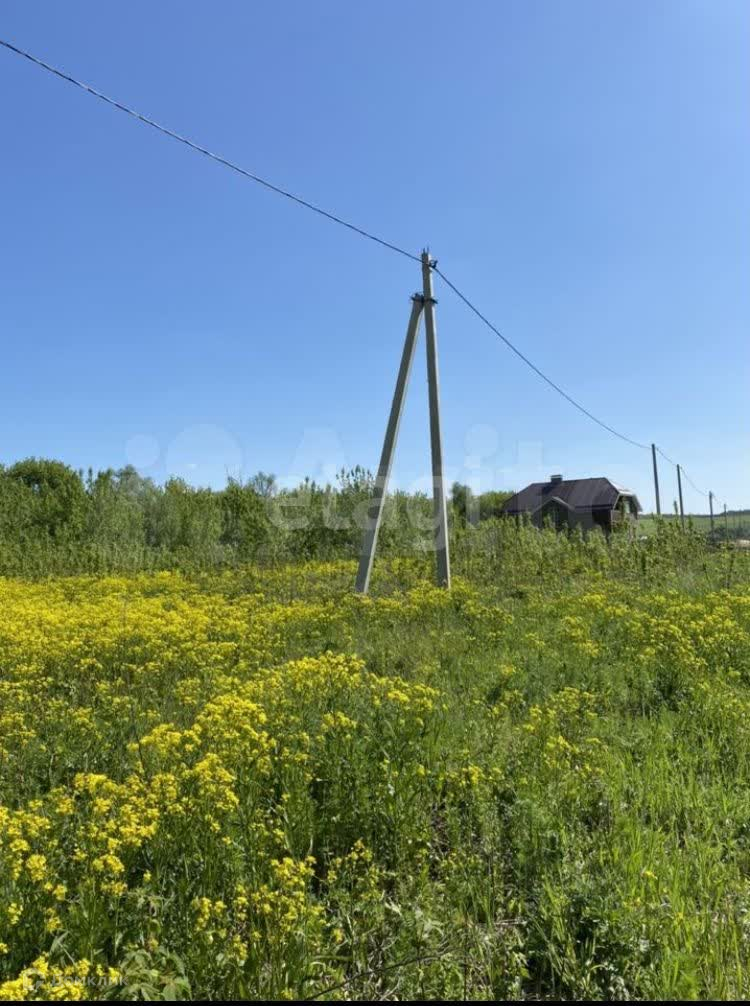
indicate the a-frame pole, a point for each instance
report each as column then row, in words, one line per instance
column 656, row 480
column 440, row 511
column 375, row 512
column 679, row 492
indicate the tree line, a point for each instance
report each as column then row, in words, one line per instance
column 56, row 519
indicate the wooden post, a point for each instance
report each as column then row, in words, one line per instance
column 679, row 491
column 711, row 508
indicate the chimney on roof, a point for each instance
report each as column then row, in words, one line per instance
column 555, row 478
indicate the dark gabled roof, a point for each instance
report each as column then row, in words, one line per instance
column 578, row 494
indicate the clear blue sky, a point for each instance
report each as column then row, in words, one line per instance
column 581, row 170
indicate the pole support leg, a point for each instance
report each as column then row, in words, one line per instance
column 375, row 511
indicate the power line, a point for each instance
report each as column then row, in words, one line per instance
column 310, row 206
column 208, row 153
column 533, row 366
column 668, row 460
column 691, row 483
column 337, row 220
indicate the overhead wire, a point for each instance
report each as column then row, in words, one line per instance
column 341, row 221
column 569, row 398
column 146, row 120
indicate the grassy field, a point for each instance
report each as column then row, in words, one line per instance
column 737, row 525
column 254, row 784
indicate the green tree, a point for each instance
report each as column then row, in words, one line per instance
column 115, row 512
column 245, row 524
column 57, row 498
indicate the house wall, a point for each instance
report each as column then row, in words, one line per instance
column 555, row 514
column 562, row 518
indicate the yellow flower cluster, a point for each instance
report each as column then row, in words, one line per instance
column 710, row 633
column 241, row 784
column 562, row 732
column 158, row 729
column 42, row 982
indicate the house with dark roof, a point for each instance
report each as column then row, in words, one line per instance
column 568, row 503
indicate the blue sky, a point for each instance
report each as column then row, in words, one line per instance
column 580, row 170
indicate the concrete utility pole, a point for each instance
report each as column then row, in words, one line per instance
column 656, row 480
column 711, row 507
column 424, row 302
column 679, row 490
column 440, row 511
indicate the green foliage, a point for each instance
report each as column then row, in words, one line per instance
column 471, row 509
column 55, row 500
column 254, row 784
column 735, row 524
column 52, row 521
column 115, row 511
column 251, row 783
column 244, row 521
